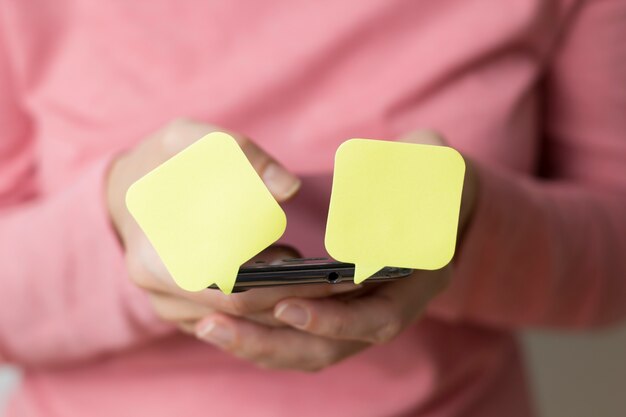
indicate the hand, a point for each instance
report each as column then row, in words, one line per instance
column 167, row 142
column 146, row 269
column 325, row 331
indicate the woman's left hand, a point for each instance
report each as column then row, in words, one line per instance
column 321, row 332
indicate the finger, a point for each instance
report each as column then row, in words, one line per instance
column 276, row 348
column 281, row 183
column 424, row 137
column 265, row 318
column 176, row 309
column 182, row 132
column 373, row 319
column 188, row 327
column 148, row 272
column 259, row 299
column 376, row 317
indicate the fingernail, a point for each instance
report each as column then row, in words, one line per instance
column 217, row 333
column 293, row 314
column 280, row 182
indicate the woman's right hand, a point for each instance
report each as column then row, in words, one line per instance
column 144, row 266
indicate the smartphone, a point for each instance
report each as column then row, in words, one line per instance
column 298, row 271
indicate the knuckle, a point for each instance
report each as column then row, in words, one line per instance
column 171, row 138
column 240, row 305
column 426, row 137
column 335, row 326
column 160, row 312
column 260, row 160
column 181, row 133
column 186, row 327
column 138, row 272
column 392, row 325
column 261, row 353
column 326, row 354
column 389, row 330
column 257, row 156
column 177, row 123
column 242, row 140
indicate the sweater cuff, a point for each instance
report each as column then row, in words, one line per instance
column 481, row 250
column 140, row 314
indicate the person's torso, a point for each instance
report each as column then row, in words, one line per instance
column 299, row 78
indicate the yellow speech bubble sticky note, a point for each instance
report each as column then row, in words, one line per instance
column 394, row 204
column 206, row 212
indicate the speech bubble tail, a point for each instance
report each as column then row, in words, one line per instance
column 227, row 281
column 363, row 272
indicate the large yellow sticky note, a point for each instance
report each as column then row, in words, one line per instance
column 206, row 212
column 394, row 204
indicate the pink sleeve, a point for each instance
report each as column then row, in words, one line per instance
column 64, row 292
column 552, row 251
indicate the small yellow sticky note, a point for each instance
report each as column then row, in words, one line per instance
column 206, row 212
column 394, row 204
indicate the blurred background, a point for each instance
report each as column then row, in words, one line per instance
column 582, row 375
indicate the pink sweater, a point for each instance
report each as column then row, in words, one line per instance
column 533, row 90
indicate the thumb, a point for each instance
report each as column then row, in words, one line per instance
column 423, row 137
column 280, row 182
